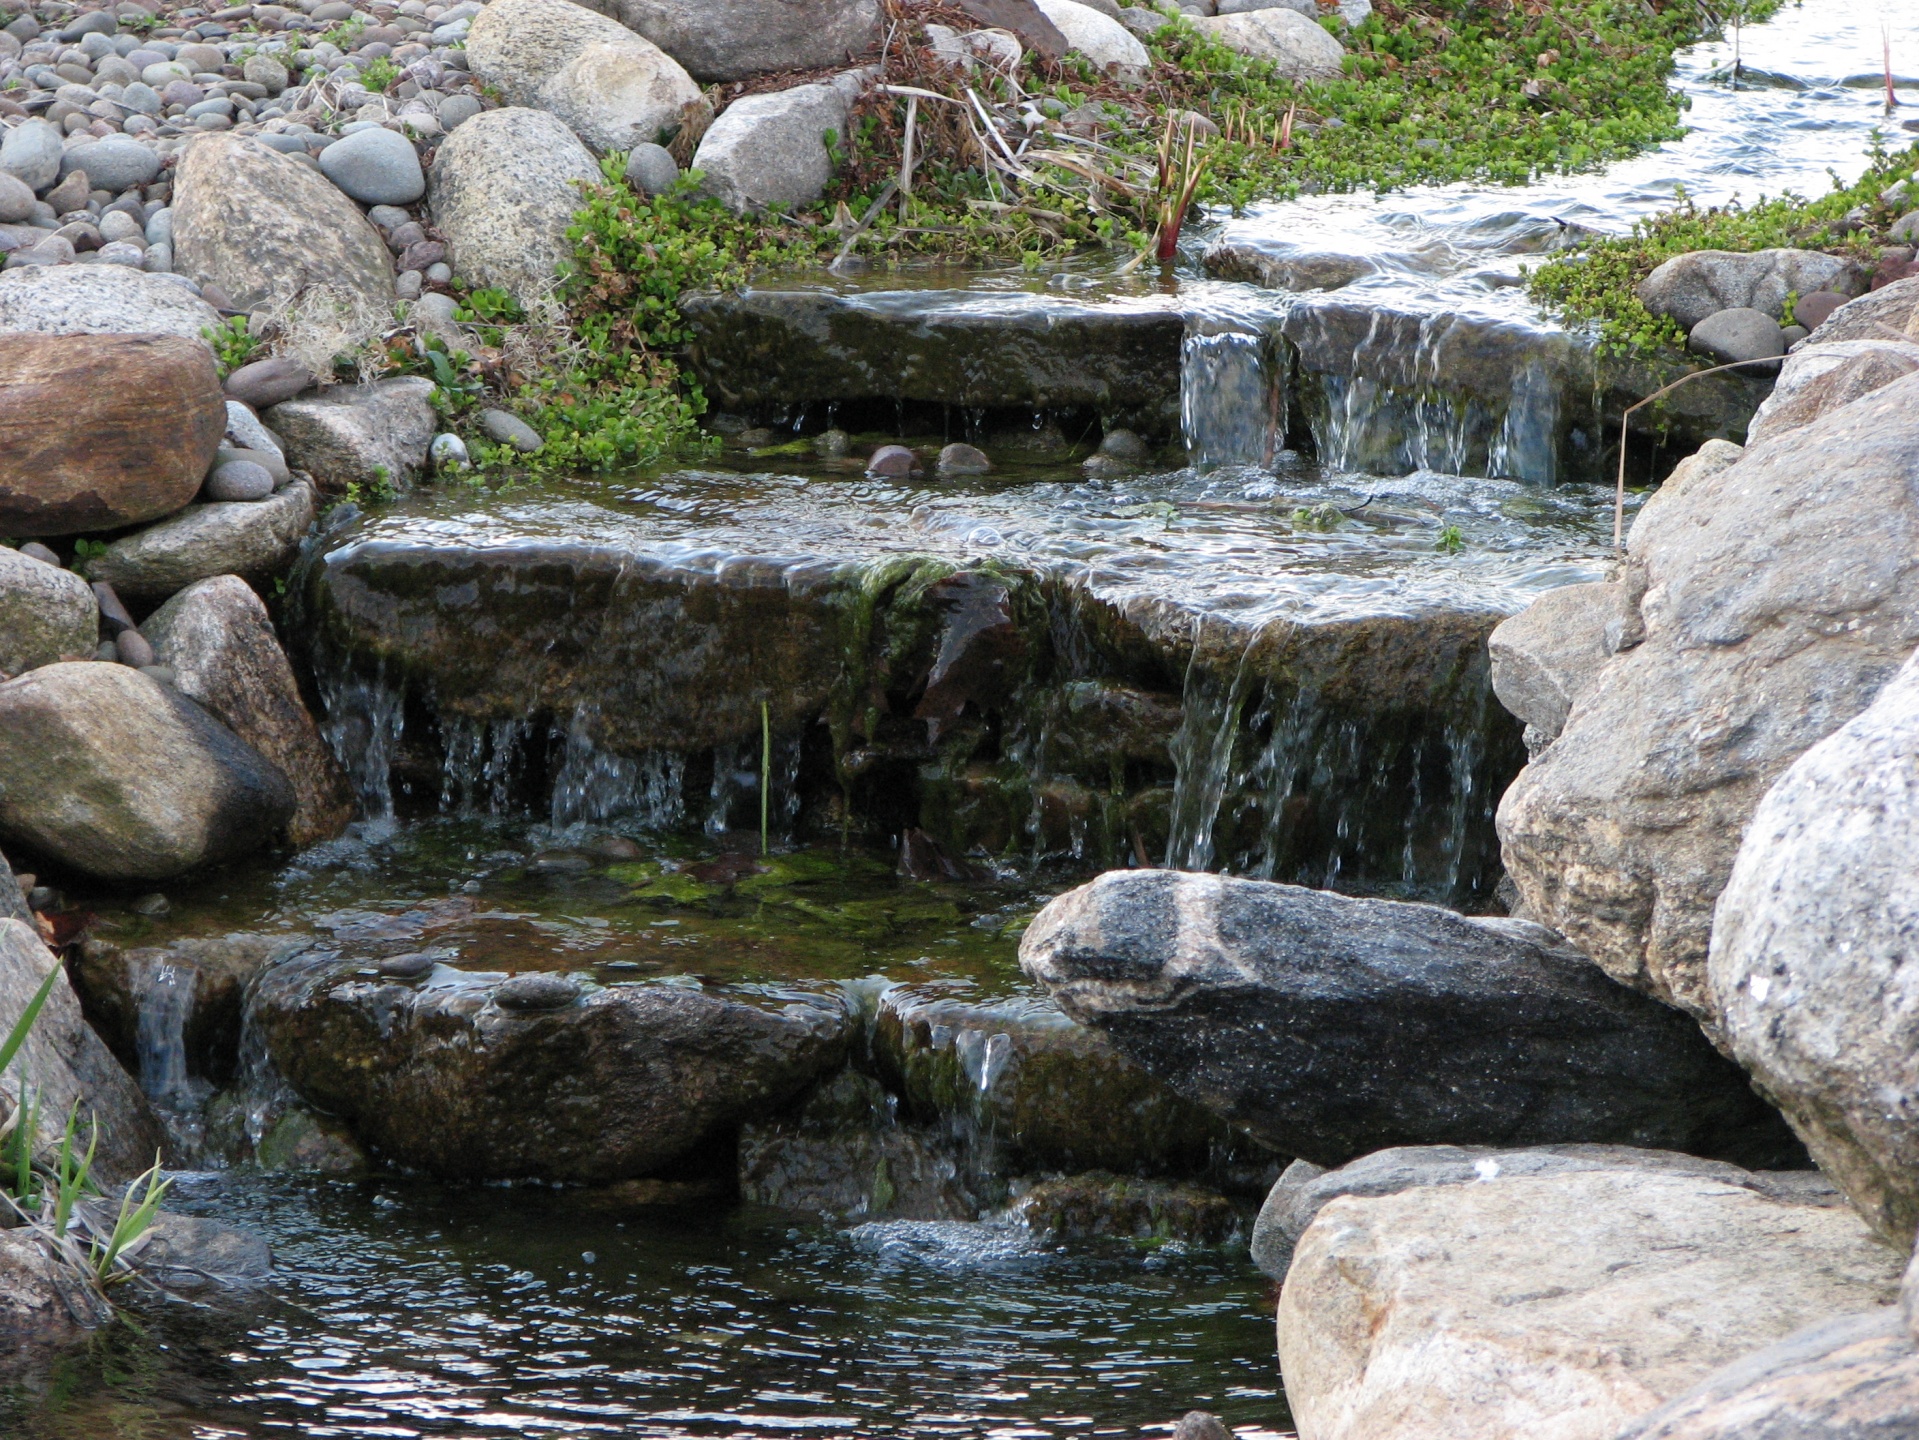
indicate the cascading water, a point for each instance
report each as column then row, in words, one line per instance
column 163, row 992
column 593, row 786
column 365, row 718
column 1232, row 397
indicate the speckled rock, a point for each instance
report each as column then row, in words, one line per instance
column 100, row 300
column 46, row 613
column 252, row 538
column 371, row 435
column 751, row 37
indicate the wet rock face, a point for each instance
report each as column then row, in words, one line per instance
column 844, row 1153
column 1025, row 1089
column 1756, row 646
column 1330, row 1027
column 618, row 1084
column 120, row 777
column 781, row 347
column 1812, row 952
column 68, row 1063
column 34, row 1319
column 1098, row 1206
column 140, row 419
column 1439, row 1314
column 1854, row 1378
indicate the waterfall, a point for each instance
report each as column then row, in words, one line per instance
column 1527, row 446
column 163, row 994
column 1203, row 757
column 364, row 721
column 733, row 799
column 1232, row 398
column 594, row 785
column 480, row 760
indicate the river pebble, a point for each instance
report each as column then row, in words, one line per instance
column 239, row 480
column 537, row 992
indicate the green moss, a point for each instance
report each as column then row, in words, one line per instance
column 1596, row 283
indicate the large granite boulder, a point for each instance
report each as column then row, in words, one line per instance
column 1854, row 1378
column 503, row 188
column 1745, row 644
column 1817, row 379
column 250, row 538
column 217, row 639
column 1306, row 1189
column 751, row 37
column 1551, row 1307
column 1329, row 1027
column 1887, row 313
column 483, row 1077
column 121, row 777
column 1298, row 49
column 67, row 1063
column 265, row 228
column 139, row 418
column 613, row 88
column 46, row 614
column 35, row 1322
column 100, row 300
column 770, row 150
column 1812, row 954
column 1544, row 656
column 1100, row 38
column 374, row 435
column 1699, row 283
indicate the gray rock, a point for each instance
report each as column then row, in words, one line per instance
column 769, row 150
column 503, row 190
column 456, row 110
column 1329, row 1027
column 1200, row 1425
column 1755, row 647
column 219, row 642
column 265, row 228
column 895, row 461
column 448, row 454
column 250, row 538
column 505, row 429
column 1143, row 22
column 32, row 151
column 652, row 170
column 1735, row 335
column 1298, row 48
column 46, row 613
column 100, row 300
column 619, row 1084
column 265, row 71
column 186, row 1253
column 1811, row 949
column 268, row 382
column 613, row 88
column 1853, row 1378
column 131, row 648
column 1099, row 37
column 751, row 37
column 238, row 480
column 1547, row 653
column 116, row 163
column 365, row 435
column 1823, row 377
column 1690, row 287
column 1304, row 1189
column 1905, row 230
column 68, row 1062
column 376, row 166
column 152, row 786
column 537, row 992
column 16, row 199
column 246, row 431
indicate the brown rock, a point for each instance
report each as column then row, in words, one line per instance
column 217, row 638
column 268, row 382
column 140, row 419
column 1024, row 19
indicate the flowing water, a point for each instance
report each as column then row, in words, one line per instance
column 519, row 839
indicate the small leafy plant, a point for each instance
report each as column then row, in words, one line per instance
column 233, row 343
column 1450, row 541
column 380, row 75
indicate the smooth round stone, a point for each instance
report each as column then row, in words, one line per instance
column 122, row 252
column 1738, row 334
column 213, row 122
column 390, row 217
column 165, row 73
column 833, row 444
column 163, row 674
column 456, row 110
column 212, row 105
column 375, row 167
column 1793, row 334
column 651, row 169
column 409, row 285
column 238, row 480
column 101, row 22
column 505, row 429
column 181, row 91
column 537, row 992
column 1814, row 308
column 115, row 71
column 1123, row 445
column 116, row 163
column 141, row 56
column 200, row 59
column 448, row 452
column 270, row 460
column 34, row 550
column 141, row 98
column 107, row 652
column 893, row 460
column 407, row 967
column 154, row 906
column 16, row 199
column 268, row 382
column 958, row 459
column 95, row 46
column 132, row 648
column 118, row 225
column 439, row 273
